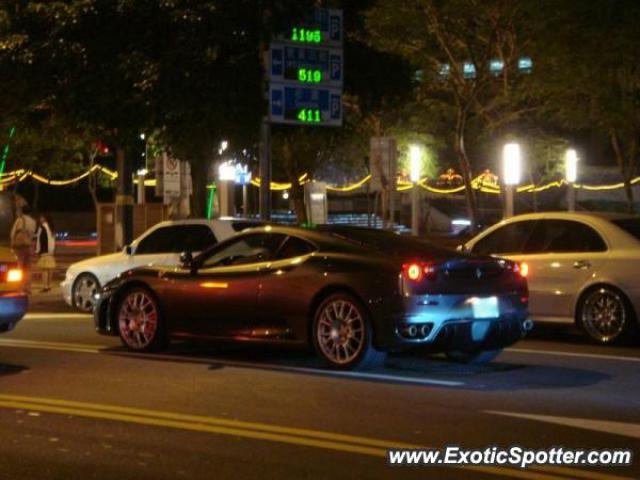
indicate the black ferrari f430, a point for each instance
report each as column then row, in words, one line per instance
column 351, row 293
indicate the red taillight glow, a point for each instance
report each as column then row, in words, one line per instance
column 14, row 275
column 417, row 271
column 414, row 271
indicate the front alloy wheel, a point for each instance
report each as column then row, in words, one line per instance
column 604, row 315
column 84, row 290
column 139, row 322
column 343, row 335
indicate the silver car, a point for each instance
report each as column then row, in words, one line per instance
column 582, row 268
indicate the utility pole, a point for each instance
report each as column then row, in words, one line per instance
column 265, row 170
column 124, row 200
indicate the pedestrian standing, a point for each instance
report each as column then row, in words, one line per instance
column 45, row 249
column 22, row 234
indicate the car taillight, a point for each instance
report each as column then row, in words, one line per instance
column 521, row 269
column 416, row 271
column 14, row 275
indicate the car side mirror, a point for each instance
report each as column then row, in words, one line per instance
column 186, row 259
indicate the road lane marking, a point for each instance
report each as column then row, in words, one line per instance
column 57, row 316
column 255, row 431
column 573, row 354
column 625, row 429
column 80, row 348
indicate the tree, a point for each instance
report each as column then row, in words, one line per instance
column 189, row 69
column 451, row 45
column 592, row 83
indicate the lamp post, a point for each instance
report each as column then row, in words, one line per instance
column 511, row 171
column 415, row 169
column 571, row 174
column 142, row 173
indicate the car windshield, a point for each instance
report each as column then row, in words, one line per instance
column 629, row 225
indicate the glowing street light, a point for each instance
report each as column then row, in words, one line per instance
column 511, row 172
column 415, row 169
column 415, row 163
column 571, row 175
column 571, row 165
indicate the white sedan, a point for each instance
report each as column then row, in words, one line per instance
column 161, row 244
column 583, row 268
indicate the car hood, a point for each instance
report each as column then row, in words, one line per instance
column 109, row 259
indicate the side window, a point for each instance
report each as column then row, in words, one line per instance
column 294, row 247
column 562, row 236
column 509, row 239
column 194, row 238
column 254, row 248
column 158, row 241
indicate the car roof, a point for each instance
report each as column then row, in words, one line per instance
column 574, row 215
column 615, row 237
column 7, row 255
column 205, row 221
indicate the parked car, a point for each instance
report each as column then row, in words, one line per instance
column 161, row 244
column 13, row 298
column 582, row 267
column 351, row 293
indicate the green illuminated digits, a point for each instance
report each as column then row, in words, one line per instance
column 309, row 76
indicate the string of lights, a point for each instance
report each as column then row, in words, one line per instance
column 478, row 183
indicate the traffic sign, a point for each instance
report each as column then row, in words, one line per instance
column 306, row 65
column 302, row 105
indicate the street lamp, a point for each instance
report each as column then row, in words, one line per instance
column 415, row 169
column 511, row 171
column 571, row 175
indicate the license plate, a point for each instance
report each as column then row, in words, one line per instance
column 485, row 307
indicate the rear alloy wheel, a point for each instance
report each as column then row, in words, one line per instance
column 139, row 322
column 84, row 290
column 474, row 358
column 605, row 315
column 342, row 334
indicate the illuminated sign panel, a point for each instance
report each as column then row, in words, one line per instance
column 306, row 71
column 321, row 26
column 306, row 105
column 306, row 65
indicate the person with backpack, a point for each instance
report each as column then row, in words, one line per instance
column 22, row 233
column 45, row 247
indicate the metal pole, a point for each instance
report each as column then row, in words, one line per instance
column 265, row 170
column 141, row 193
column 571, row 197
column 415, row 209
column 508, row 212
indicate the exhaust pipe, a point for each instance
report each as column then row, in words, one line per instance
column 425, row 330
column 527, row 325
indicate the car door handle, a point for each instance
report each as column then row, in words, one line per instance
column 582, row 264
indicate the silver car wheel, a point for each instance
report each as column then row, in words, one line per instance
column 604, row 315
column 84, row 289
column 138, row 320
column 340, row 331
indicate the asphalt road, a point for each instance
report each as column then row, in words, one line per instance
column 76, row 405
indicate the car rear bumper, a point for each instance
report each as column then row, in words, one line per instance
column 448, row 322
column 13, row 306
